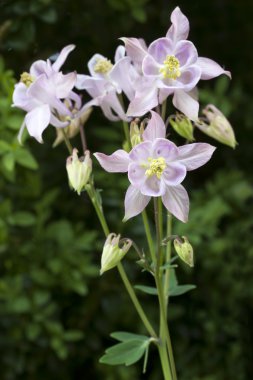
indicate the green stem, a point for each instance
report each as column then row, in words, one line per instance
column 67, row 142
column 163, row 113
column 164, row 361
column 127, row 135
column 149, row 236
column 93, row 196
column 168, row 257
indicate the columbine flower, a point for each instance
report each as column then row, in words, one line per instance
column 184, row 250
column 156, row 167
column 107, row 81
column 171, row 66
column 218, row 128
column 79, row 170
column 40, row 91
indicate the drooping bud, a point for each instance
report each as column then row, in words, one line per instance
column 184, row 250
column 218, row 126
column 79, row 170
column 74, row 126
column 136, row 132
column 112, row 252
column 183, row 126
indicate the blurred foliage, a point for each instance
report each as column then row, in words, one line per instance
column 56, row 314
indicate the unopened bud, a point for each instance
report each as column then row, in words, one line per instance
column 79, row 170
column 112, row 252
column 136, row 132
column 183, row 126
column 184, row 250
column 218, row 126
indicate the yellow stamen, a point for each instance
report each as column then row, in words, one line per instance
column 171, row 68
column 26, row 78
column 156, row 167
column 103, row 66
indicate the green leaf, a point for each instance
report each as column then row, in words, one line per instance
column 22, row 219
column 181, row 289
column 123, row 336
column 128, row 352
column 8, row 162
column 24, row 157
column 147, row 289
column 4, row 147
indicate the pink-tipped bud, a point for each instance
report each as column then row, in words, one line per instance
column 112, row 252
column 79, row 170
column 218, row 126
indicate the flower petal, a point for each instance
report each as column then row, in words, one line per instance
column 141, row 152
column 144, row 101
column 174, row 174
column 136, row 174
column 185, row 103
column 135, row 49
column 63, row 84
column 40, row 67
column 37, row 120
column 176, row 201
column 62, row 57
column 180, row 27
column 186, row 53
column 92, row 62
column 155, row 128
column 111, row 102
column 120, row 74
column 115, row 163
column 195, row 155
column 160, row 48
column 211, row 69
column 153, row 187
column 150, row 67
column 164, row 148
column 119, row 53
column 135, row 202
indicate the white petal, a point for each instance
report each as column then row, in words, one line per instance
column 144, row 101
column 176, row 200
column 62, row 57
column 195, row 155
column 185, row 103
column 115, row 163
column 135, row 202
column 179, row 29
column 211, row 69
column 155, row 128
column 37, row 120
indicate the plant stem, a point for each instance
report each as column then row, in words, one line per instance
column 83, row 138
column 67, row 142
column 163, row 113
column 168, row 257
column 127, row 135
column 148, row 235
column 164, row 361
column 93, row 196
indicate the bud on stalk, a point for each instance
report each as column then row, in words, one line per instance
column 184, row 250
column 79, row 170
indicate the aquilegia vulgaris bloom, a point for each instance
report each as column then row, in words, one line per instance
column 156, row 167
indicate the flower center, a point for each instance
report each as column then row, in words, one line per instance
column 156, row 167
column 26, row 78
column 171, row 68
column 103, row 66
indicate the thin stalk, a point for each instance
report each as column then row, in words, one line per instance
column 164, row 106
column 168, row 257
column 83, row 138
column 149, row 236
column 127, row 135
column 92, row 194
column 67, row 142
column 164, row 362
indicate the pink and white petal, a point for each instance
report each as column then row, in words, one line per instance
column 210, row 69
column 38, row 67
column 185, row 103
column 195, row 155
column 144, row 101
column 76, row 98
column 135, row 202
column 150, row 67
column 83, row 81
column 62, row 57
column 115, row 163
column 135, row 49
column 112, row 100
column 37, row 120
column 180, row 27
column 141, row 152
column 155, row 128
column 20, row 98
column 174, row 174
column 120, row 74
column 136, row 174
column 57, row 123
column 186, row 53
column 153, row 187
column 189, row 78
column 119, row 53
column 160, row 48
column 164, row 148
column 164, row 93
column 176, row 201
column 64, row 84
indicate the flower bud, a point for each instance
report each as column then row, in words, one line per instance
column 183, row 126
column 184, row 250
column 218, row 128
column 112, row 252
column 136, row 132
column 74, row 126
column 79, row 170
